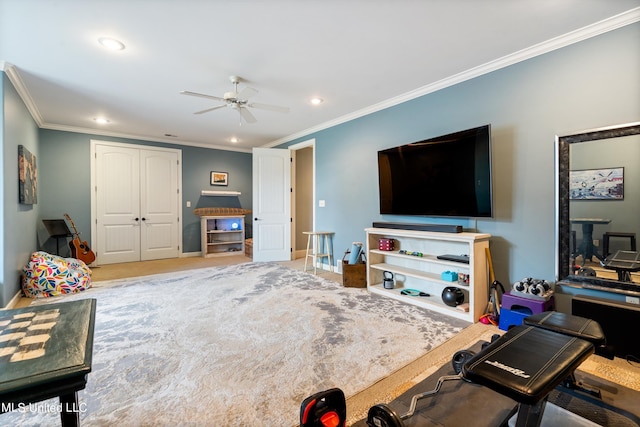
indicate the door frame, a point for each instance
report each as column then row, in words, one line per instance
column 93, row 183
column 293, row 148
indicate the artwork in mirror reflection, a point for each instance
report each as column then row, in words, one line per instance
column 596, row 184
column 604, row 195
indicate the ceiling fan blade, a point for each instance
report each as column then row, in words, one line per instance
column 246, row 115
column 269, row 107
column 246, row 93
column 210, row 109
column 202, row 95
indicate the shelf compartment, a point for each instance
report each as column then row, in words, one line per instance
column 433, row 303
column 219, row 237
column 418, row 274
column 425, row 257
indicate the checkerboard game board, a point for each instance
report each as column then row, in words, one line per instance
column 24, row 336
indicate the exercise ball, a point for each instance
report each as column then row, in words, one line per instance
column 452, row 296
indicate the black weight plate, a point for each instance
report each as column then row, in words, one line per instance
column 382, row 416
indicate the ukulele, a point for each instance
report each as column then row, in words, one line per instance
column 79, row 249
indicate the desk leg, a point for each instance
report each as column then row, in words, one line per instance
column 70, row 414
column 587, row 241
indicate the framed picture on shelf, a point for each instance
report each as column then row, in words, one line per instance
column 219, row 178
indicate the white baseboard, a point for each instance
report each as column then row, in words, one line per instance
column 14, row 301
column 190, row 254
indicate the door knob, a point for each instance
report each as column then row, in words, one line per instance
column 256, row 219
column 137, row 219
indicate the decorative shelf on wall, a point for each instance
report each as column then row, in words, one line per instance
column 219, row 193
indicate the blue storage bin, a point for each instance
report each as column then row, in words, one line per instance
column 450, row 276
column 513, row 317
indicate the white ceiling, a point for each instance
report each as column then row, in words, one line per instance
column 358, row 55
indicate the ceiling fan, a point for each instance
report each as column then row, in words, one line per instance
column 238, row 101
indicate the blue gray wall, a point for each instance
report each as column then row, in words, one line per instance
column 590, row 84
column 66, row 174
column 17, row 227
column 587, row 85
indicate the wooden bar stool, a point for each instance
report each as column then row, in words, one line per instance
column 314, row 252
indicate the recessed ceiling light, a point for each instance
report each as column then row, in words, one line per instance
column 316, row 101
column 101, row 120
column 234, row 140
column 111, row 44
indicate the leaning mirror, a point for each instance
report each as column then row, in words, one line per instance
column 598, row 208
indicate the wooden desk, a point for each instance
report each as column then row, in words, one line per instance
column 586, row 248
column 46, row 352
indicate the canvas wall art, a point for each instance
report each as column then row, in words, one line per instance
column 28, row 177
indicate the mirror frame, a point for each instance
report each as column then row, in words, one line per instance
column 563, row 226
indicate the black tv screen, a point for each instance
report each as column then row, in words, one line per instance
column 445, row 176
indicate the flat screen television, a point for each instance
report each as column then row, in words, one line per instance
column 449, row 175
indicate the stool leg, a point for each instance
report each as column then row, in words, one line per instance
column 326, row 240
column 306, row 258
column 316, row 250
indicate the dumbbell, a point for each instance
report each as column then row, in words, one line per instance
column 381, row 415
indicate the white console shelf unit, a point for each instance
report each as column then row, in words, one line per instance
column 222, row 235
column 423, row 273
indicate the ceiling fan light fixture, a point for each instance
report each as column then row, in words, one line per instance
column 111, row 43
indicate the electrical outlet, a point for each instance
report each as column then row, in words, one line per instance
column 632, row 300
column 321, row 203
column 188, row 204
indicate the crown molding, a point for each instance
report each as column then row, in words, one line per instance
column 173, row 141
column 14, row 77
column 613, row 23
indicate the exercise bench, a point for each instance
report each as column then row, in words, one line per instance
column 525, row 364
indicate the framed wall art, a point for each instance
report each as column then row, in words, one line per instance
column 219, row 178
column 27, row 177
column 596, row 184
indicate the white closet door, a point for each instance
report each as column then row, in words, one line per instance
column 159, row 205
column 137, row 203
column 117, row 204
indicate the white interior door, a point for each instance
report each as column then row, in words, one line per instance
column 117, row 174
column 158, row 204
column 137, row 202
column 271, row 204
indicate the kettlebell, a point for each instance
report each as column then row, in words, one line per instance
column 388, row 282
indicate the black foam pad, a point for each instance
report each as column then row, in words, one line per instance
column 568, row 324
column 526, row 363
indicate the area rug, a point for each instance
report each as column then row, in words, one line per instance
column 239, row 345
